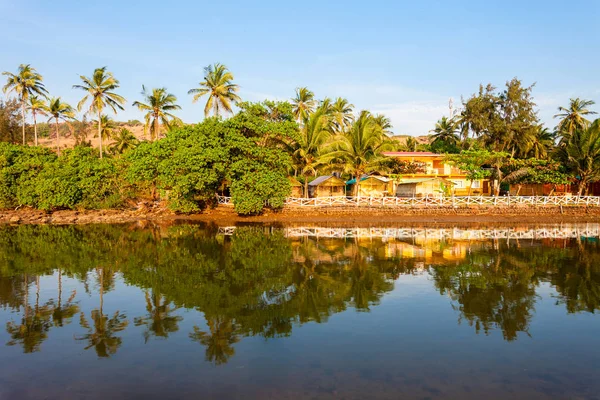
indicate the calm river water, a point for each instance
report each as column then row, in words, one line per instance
column 252, row 312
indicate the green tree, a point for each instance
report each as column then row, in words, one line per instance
column 342, row 113
column 445, row 133
column 100, row 91
column 303, row 103
column 158, row 107
column 108, row 126
column 25, row 83
column 37, row 106
column 218, row 85
column 10, row 121
column 58, row 111
column 359, row 150
column 410, row 144
column 573, row 117
column 123, row 140
column 581, row 154
column 385, row 124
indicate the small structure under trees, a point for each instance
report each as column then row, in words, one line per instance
column 296, row 187
column 372, row 186
column 423, row 187
column 327, row 186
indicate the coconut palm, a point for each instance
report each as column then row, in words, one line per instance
column 25, row 83
column 218, row 85
column 358, row 151
column 342, row 112
column 107, row 126
column 157, row 106
column 581, row 154
column 37, row 106
column 445, row 131
column 537, row 143
column 303, row 103
column 58, row 111
column 385, row 124
column 314, row 134
column 100, row 91
column 123, row 140
column 410, row 144
column 573, row 116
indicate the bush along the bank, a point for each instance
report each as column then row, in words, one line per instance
column 36, row 177
column 193, row 162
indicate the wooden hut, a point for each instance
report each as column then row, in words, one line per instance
column 296, row 187
column 423, row 187
column 327, row 186
column 371, row 186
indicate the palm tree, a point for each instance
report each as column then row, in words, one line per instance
column 159, row 321
column 343, row 115
column 573, row 116
column 217, row 84
column 445, row 131
column 107, row 126
column 359, row 150
column 303, row 104
column 100, row 91
column 410, row 144
column 37, row 106
column 26, row 82
column 385, row 124
column 123, row 140
column 59, row 111
column 158, row 105
column 581, row 154
column 314, row 134
column 537, row 144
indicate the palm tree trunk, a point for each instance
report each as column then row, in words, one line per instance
column 57, row 140
column 35, row 129
column 23, row 116
column 156, row 128
column 306, row 187
column 100, row 132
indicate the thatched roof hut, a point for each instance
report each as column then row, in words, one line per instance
column 296, row 187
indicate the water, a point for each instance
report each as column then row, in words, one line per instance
column 190, row 311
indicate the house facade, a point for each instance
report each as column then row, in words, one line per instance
column 435, row 167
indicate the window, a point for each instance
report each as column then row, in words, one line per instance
column 476, row 185
column 459, row 184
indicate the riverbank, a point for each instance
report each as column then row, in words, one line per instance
column 346, row 216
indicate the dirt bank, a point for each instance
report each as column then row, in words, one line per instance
column 331, row 216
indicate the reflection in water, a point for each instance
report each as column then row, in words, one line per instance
column 255, row 281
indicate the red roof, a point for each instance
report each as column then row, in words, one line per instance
column 410, row 154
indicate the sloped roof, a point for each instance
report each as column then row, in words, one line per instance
column 294, row 181
column 410, row 154
column 317, row 181
column 365, row 177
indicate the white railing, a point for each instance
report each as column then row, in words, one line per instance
column 568, row 231
column 435, row 201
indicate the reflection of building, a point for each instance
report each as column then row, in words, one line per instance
column 436, row 167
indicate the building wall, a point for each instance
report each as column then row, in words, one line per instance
column 327, row 191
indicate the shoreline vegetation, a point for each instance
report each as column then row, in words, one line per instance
column 249, row 151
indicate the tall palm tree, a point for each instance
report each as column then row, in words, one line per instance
column 343, row 115
column 445, row 131
column 410, row 144
column 218, row 85
column 100, row 91
column 58, row 111
column 359, row 150
column 385, row 124
column 573, row 116
column 581, row 154
column 314, row 134
column 303, row 103
column 37, row 106
column 26, row 82
column 123, row 140
column 158, row 105
column 537, row 143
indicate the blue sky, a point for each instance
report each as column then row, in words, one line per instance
column 403, row 59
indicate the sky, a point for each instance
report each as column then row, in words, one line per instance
column 404, row 59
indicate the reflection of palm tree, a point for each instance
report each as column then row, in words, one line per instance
column 102, row 335
column 219, row 342
column 158, row 322
column 34, row 326
column 62, row 314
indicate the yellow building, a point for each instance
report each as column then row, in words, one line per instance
column 436, row 167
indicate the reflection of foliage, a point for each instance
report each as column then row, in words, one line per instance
column 219, row 341
column 32, row 330
column 102, row 335
column 158, row 321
